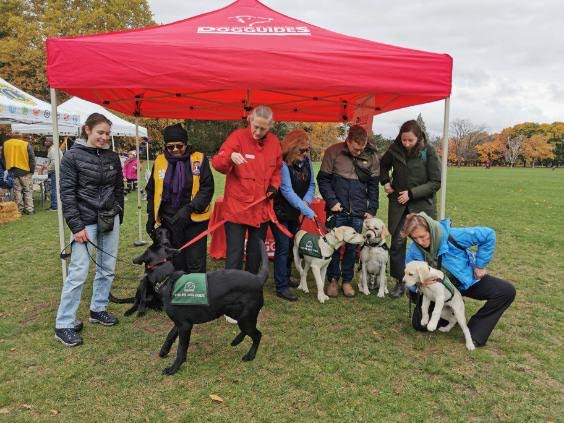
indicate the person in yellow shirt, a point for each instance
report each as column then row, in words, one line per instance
column 179, row 193
column 19, row 160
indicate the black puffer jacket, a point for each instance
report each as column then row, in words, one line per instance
column 91, row 180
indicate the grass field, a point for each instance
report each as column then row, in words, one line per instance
column 347, row 360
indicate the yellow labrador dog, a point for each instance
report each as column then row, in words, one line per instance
column 448, row 305
column 374, row 257
column 317, row 252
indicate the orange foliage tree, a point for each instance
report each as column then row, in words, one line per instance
column 537, row 148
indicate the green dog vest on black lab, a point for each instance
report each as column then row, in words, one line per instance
column 309, row 246
column 190, row 289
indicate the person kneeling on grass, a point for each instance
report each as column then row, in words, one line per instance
column 448, row 249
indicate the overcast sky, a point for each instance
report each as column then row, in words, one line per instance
column 508, row 54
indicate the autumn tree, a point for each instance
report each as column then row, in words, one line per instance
column 464, row 138
column 537, row 148
column 27, row 24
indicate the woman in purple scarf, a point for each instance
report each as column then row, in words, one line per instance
column 179, row 193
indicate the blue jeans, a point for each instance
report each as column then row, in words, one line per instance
column 344, row 268
column 53, row 183
column 78, row 272
column 283, row 255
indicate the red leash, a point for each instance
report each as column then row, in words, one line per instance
column 222, row 222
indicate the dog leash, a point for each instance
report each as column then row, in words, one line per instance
column 222, row 222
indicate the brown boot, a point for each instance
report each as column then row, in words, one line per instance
column 348, row 290
column 333, row 288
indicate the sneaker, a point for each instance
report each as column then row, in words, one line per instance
column 293, row 282
column 103, row 317
column 68, row 337
column 78, row 325
column 287, row 295
column 52, row 210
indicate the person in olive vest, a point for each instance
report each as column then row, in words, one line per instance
column 295, row 196
column 19, row 160
column 179, row 193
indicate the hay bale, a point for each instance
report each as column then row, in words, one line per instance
column 9, row 212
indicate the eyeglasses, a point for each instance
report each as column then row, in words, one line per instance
column 304, row 150
column 177, row 146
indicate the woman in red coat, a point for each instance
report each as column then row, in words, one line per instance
column 251, row 158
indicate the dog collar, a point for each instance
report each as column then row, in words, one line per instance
column 155, row 264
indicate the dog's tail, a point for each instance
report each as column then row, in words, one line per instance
column 263, row 271
column 117, row 300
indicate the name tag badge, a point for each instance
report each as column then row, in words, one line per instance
column 249, row 156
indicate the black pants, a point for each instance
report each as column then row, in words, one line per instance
column 235, row 248
column 498, row 293
column 397, row 250
column 193, row 258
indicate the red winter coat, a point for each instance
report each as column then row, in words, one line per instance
column 249, row 181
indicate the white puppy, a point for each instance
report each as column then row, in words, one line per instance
column 449, row 306
column 374, row 256
column 326, row 246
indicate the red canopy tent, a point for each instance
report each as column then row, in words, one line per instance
column 215, row 65
column 220, row 64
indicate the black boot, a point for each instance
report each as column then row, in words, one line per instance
column 398, row 290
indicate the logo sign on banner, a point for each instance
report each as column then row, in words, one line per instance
column 254, row 25
column 15, row 95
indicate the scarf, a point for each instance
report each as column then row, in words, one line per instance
column 175, row 178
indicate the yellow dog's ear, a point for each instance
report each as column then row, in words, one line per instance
column 385, row 232
column 422, row 272
column 339, row 233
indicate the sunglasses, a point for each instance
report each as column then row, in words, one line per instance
column 304, row 150
column 172, row 147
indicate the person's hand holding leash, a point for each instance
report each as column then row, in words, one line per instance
column 237, row 158
column 479, row 273
column 81, row 236
column 388, row 188
column 337, row 208
column 429, row 281
column 403, row 197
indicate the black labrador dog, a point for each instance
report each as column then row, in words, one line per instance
column 235, row 293
column 146, row 297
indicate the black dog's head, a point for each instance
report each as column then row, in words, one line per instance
column 158, row 262
column 161, row 236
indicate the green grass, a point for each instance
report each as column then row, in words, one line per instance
column 346, row 360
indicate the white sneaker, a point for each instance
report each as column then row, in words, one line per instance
column 230, row 320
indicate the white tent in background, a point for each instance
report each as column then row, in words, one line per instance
column 16, row 106
column 83, row 108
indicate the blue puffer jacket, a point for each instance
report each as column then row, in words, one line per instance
column 460, row 263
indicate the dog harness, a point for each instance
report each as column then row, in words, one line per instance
column 447, row 284
column 309, row 246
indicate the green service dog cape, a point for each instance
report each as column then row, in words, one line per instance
column 190, row 289
column 309, row 246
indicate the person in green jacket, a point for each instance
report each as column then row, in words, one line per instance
column 415, row 178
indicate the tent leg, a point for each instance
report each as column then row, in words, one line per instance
column 444, row 160
column 58, row 180
column 139, row 241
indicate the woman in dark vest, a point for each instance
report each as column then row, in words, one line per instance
column 179, row 193
column 416, row 177
column 295, row 196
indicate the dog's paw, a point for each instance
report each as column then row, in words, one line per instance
column 431, row 327
column 424, row 321
column 444, row 329
column 303, row 288
column 169, row 371
column 322, row 298
column 248, row 357
column 382, row 294
column 164, row 352
column 470, row 346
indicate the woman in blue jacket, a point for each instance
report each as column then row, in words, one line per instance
column 295, row 196
column 447, row 248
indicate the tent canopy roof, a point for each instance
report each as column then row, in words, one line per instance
column 220, row 64
column 17, row 106
column 82, row 108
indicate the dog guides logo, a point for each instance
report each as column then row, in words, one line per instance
column 254, row 25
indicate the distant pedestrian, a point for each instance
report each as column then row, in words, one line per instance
column 19, row 160
column 53, row 154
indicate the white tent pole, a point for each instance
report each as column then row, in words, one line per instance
column 58, row 179
column 444, row 160
column 113, row 144
column 139, row 240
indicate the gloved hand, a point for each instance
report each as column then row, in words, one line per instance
column 271, row 192
column 182, row 216
column 150, row 226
